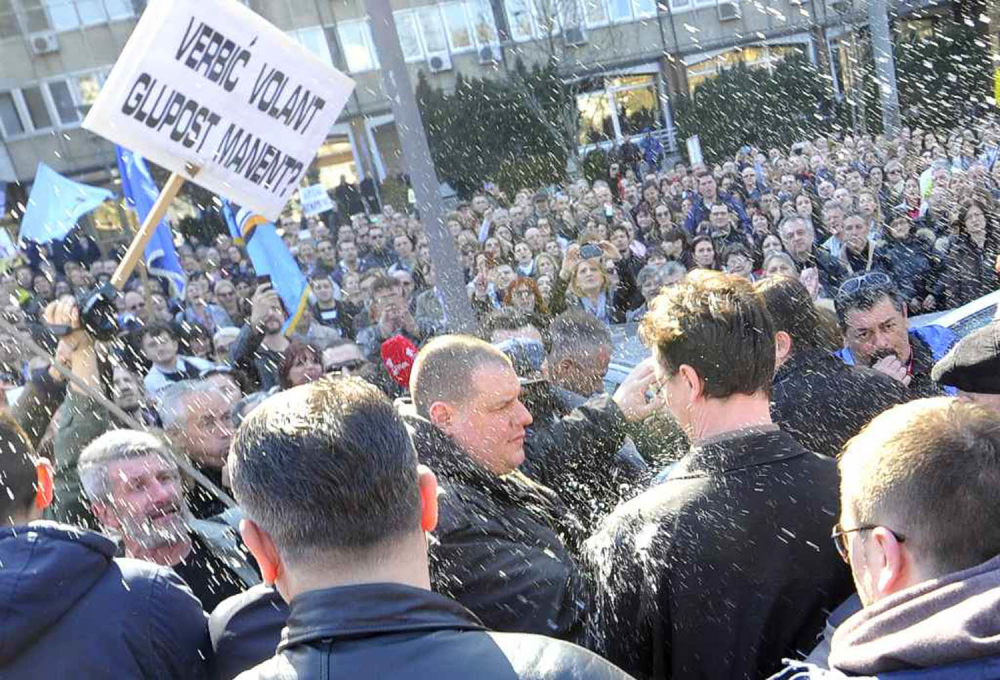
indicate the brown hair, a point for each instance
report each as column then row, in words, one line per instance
column 929, row 470
column 444, row 368
column 716, row 324
column 294, row 354
column 525, row 282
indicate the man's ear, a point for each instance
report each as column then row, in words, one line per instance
column 428, row 498
column 441, row 415
column 260, row 545
column 696, row 386
column 896, row 565
column 44, row 484
column 782, row 347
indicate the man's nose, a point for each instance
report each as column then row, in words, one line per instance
column 523, row 415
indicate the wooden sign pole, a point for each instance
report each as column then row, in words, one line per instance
column 138, row 245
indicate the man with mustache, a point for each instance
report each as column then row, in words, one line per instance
column 136, row 493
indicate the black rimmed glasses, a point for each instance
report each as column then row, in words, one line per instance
column 839, row 536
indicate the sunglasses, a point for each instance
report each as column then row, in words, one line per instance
column 870, row 280
column 352, row 365
column 839, row 537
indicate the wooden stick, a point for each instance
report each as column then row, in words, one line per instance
column 138, row 245
column 182, row 462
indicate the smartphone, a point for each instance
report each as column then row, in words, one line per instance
column 264, row 279
column 589, row 251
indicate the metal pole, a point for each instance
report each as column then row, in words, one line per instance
column 416, row 151
column 885, row 65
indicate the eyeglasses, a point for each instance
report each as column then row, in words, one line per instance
column 839, row 536
column 870, row 280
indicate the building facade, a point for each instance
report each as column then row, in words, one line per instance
column 628, row 57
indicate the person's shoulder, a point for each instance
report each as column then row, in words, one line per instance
column 162, row 587
column 537, row 657
column 261, row 597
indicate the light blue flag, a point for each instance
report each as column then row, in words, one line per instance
column 55, row 205
column 270, row 257
column 141, row 193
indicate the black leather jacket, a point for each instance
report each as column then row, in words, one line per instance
column 387, row 630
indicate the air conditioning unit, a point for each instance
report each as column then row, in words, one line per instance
column 729, row 11
column 575, row 36
column 439, row 62
column 43, row 43
column 490, row 54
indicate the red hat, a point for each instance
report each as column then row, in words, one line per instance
column 398, row 355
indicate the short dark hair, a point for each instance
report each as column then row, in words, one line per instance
column 17, row 470
column 871, row 289
column 929, row 469
column 158, row 328
column 576, row 331
column 716, row 324
column 504, row 319
column 444, row 368
column 674, row 234
column 793, row 311
column 735, row 249
column 327, row 467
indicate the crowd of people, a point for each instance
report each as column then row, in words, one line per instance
column 218, row 494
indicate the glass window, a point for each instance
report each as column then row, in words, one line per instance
column 485, row 28
column 637, row 110
column 62, row 14
column 62, row 97
column 88, row 86
column 680, row 4
column 91, row 12
column 119, row 9
column 457, row 24
column 314, row 40
column 596, row 124
column 37, row 110
column 354, row 39
column 409, row 40
column 546, row 13
column 34, row 14
column 8, row 20
column 645, row 8
column 9, row 116
column 519, row 17
column 621, row 10
column 432, row 30
column 595, row 12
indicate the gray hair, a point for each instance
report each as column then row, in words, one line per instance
column 670, row 268
column 110, row 447
column 647, row 273
column 171, row 403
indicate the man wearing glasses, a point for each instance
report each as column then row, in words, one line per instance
column 920, row 529
column 872, row 315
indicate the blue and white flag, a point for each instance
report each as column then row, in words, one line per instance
column 55, row 205
column 140, row 194
column 270, row 257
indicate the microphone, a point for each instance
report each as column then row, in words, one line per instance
column 398, row 355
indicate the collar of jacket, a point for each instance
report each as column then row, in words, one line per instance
column 920, row 355
column 737, row 450
column 371, row 609
column 938, row 622
column 810, row 361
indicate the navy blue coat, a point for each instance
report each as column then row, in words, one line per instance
column 70, row 609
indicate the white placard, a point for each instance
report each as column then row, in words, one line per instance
column 314, row 200
column 694, row 151
column 210, row 83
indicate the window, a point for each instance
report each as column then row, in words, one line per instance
column 62, row 14
column 356, row 40
column 519, row 17
column 8, row 20
column 91, row 12
column 409, row 39
column 65, row 15
column 680, row 4
column 37, row 110
column 644, row 8
column 432, row 30
column 65, row 105
column 314, row 40
column 9, row 116
column 481, row 13
column 35, row 17
column 621, row 10
column 457, row 25
column 595, row 12
column 119, row 9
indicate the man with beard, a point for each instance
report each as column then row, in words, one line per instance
column 260, row 349
column 136, row 492
column 872, row 315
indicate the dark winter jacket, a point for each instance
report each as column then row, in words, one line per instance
column 387, row 630
column 822, row 402
column 724, row 569
column 967, row 273
column 831, row 271
column 941, row 629
column 500, row 546
column 245, row 630
column 910, row 263
column 70, row 609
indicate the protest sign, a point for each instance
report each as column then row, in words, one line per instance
column 314, row 200
column 208, row 88
column 694, row 150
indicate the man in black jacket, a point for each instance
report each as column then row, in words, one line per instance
column 726, row 567
column 816, row 397
column 505, row 543
column 799, row 239
column 337, row 509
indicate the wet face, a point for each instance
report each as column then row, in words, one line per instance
column 147, row 504
column 160, row 349
column 877, row 332
column 490, row 427
column 208, row 429
column 704, row 254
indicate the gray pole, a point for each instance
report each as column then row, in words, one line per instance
column 885, row 65
column 396, row 81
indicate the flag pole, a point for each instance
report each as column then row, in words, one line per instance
column 138, row 245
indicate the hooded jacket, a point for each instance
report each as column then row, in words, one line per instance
column 942, row 628
column 500, row 546
column 70, row 609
